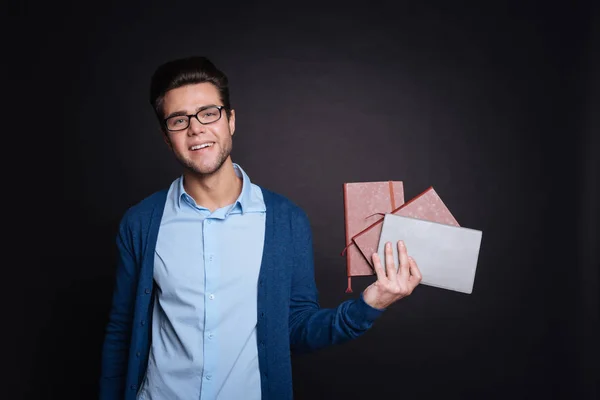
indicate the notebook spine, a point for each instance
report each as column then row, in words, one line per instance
column 347, row 235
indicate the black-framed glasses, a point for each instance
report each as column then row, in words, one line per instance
column 205, row 116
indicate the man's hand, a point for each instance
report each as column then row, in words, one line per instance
column 392, row 284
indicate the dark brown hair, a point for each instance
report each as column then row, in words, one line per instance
column 186, row 71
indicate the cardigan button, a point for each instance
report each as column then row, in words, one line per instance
column 132, row 387
column 147, row 291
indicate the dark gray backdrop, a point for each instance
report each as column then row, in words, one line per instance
column 494, row 106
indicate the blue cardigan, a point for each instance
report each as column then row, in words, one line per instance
column 289, row 316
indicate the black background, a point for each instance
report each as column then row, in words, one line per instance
column 495, row 106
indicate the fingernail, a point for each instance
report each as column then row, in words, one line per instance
column 401, row 243
column 388, row 245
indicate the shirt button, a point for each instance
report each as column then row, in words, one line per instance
column 208, row 221
column 212, row 297
column 210, row 335
column 208, row 377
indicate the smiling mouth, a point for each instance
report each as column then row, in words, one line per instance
column 201, row 146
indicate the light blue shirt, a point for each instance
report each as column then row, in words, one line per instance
column 206, row 270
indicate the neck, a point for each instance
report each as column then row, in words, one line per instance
column 215, row 190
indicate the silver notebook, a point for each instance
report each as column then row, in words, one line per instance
column 446, row 255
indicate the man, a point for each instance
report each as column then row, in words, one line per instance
column 215, row 285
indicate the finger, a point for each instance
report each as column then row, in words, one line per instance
column 415, row 272
column 390, row 265
column 378, row 267
column 404, row 270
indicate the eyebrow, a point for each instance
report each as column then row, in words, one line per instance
column 180, row 113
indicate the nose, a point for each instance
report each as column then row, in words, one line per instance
column 195, row 127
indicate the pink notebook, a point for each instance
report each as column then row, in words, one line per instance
column 363, row 204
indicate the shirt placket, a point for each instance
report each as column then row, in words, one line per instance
column 210, row 307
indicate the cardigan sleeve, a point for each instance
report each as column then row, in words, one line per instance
column 313, row 327
column 118, row 331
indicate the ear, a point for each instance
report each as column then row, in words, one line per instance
column 232, row 122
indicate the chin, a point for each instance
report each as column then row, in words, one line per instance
column 205, row 169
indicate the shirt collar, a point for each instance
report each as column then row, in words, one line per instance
column 247, row 201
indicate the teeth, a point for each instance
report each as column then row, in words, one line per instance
column 201, row 146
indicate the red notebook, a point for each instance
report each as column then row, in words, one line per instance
column 364, row 204
column 428, row 206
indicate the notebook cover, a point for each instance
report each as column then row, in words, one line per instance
column 362, row 203
column 428, row 206
column 446, row 255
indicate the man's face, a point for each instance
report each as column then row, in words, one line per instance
column 188, row 100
